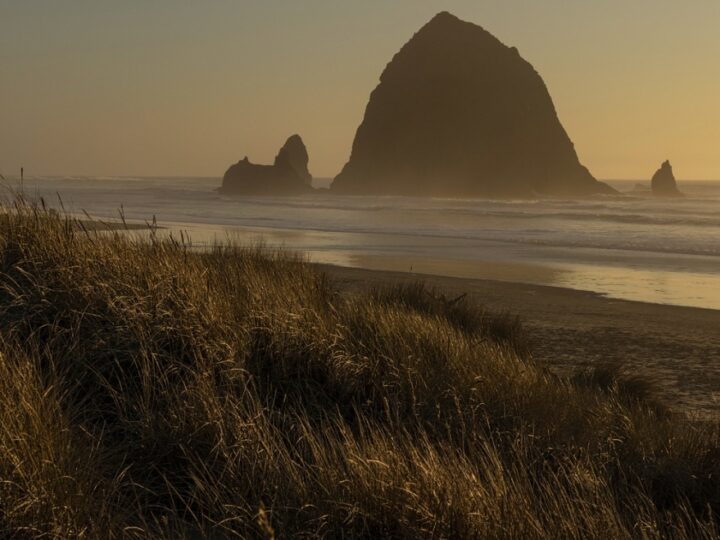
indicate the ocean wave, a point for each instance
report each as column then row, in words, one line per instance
column 686, row 220
column 689, row 226
column 545, row 238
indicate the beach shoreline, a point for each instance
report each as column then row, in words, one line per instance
column 676, row 348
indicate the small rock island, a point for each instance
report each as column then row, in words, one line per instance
column 458, row 113
column 664, row 183
column 289, row 174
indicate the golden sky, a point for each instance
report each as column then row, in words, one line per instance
column 181, row 88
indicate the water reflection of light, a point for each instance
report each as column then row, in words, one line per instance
column 656, row 278
column 660, row 287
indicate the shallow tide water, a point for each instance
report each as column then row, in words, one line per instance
column 630, row 246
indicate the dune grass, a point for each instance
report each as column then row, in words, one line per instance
column 149, row 391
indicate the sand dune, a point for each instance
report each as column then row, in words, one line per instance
column 677, row 348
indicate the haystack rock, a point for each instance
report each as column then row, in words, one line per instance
column 289, row 174
column 663, row 182
column 457, row 113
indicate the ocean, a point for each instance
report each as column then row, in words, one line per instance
column 630, row 246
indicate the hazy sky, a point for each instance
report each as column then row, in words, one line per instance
column 181, row 87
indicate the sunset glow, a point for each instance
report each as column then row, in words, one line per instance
column 169, row 88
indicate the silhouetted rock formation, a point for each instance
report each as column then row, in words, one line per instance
column 288, row 176
column 294, row 155
column 459, row 113
column 663, row 182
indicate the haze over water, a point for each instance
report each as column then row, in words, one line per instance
column 630, row 246
column 169, row 88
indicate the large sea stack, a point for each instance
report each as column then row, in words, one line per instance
column 289, row 174
column 457, row 113
column 664, row 183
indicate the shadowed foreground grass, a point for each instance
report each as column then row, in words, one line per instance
column 148, row 391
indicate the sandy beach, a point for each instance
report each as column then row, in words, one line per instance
column 676, row 348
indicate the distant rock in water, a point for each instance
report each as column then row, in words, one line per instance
column 288, row 176
column 663, row 182
column 294, row 155
column 457, row 113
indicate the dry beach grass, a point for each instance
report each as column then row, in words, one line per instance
column 675, row 348
column 150, row 391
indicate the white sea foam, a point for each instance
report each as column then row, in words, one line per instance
column 632, row 235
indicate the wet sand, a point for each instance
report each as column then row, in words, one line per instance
column 676, row 348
